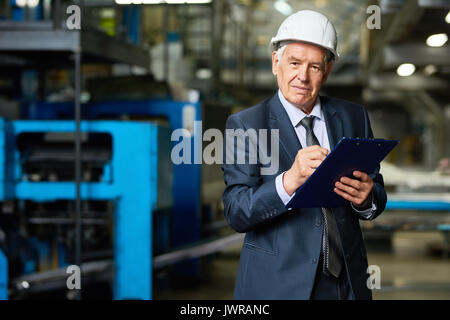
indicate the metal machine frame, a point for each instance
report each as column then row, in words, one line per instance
column 132, row 183
column 187, row 177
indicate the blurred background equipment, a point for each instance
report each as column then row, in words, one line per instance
column 88, row 103
column 39, row 162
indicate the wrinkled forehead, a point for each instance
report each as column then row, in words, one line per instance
column 299, row 50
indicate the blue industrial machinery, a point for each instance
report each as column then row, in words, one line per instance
column 3, row 276
column 137, row 179
column 418, row 205
column 185, row 222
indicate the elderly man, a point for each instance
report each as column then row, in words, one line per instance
column 308, row 253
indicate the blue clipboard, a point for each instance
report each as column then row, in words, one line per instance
column 348, row 155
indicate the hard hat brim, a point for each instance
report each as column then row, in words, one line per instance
column 275, row 46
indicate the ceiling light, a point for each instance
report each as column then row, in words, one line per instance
column 447, row 17
column 198, row 1
column 21, row 3
column 139, row 1
column 27, row 3
column 406, row 69
column 107, row 13
column 283, row 7
column 126, row 2
column 204, row 74
column 437, row 40
column 33, row 3
column 163, row 1
column 430, row 69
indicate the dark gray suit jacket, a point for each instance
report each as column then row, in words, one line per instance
column 281, row 248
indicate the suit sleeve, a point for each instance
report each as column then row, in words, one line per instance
column 248, row 200
column 378, row 192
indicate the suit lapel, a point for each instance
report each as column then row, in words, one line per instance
column 334, row 126
column 279, row 119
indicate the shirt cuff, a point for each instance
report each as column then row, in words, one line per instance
column 366, row 213
column 285, row 198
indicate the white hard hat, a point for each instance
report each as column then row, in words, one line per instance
column 310, row 27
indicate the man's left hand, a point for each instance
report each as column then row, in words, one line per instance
column 356, row 191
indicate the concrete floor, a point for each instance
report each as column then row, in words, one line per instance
column 411, row 271
column 408, row 271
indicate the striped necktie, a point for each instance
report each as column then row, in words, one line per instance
column 332, row 255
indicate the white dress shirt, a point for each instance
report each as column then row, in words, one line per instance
column 320, row 131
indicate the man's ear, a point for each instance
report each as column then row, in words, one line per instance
column 329, row 67
column 274, row 63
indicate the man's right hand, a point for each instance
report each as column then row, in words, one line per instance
column 306, row 161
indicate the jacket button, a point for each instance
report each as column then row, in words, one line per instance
column 314, row 260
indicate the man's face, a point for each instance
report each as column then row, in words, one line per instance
column 301, row 73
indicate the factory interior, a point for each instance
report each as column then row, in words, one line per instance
column 91, row 92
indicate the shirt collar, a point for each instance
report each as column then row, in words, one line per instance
column 295, row 114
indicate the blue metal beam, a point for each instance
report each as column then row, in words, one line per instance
column 3, row 276
column 418, row 205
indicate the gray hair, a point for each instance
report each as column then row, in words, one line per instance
column 282, row 48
